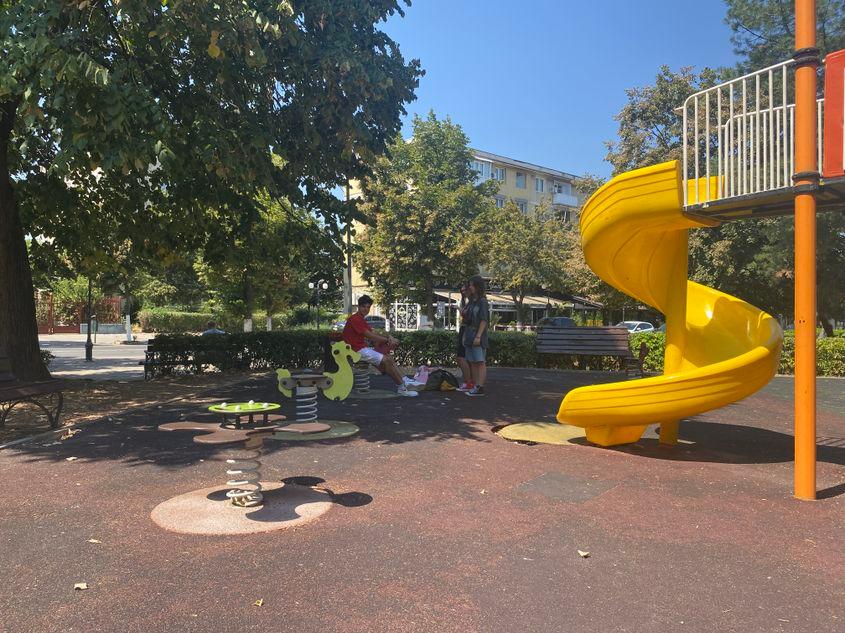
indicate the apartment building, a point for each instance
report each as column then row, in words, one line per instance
column 529, row 185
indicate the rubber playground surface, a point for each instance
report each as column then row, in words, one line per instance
column 437, row 523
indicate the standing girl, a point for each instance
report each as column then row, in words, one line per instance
column 475, row 335
column 466, row 383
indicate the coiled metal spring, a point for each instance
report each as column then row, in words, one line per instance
column 361, row 378
column 306, row 404
column 245, row 475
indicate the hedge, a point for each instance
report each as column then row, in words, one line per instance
column 173, row 321
column 830, row 353
column 304, row 348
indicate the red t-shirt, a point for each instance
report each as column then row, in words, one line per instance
column 353, row 331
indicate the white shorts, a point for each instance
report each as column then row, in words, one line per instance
column 371, row 356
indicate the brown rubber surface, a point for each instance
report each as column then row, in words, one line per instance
column 439, row 525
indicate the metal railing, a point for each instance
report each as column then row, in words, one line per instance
column 738, row 137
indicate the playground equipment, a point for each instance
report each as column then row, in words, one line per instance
column 751, row 147
column 303, row 385
column 245, row 426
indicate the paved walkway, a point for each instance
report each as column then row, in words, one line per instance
column 444, row 526
column 112, row 361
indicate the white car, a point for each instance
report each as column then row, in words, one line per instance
column 636, row 326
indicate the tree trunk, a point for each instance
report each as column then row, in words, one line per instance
column 18, row 326
column 517, row 302
column 249, row 301
column 429, row 301
column 827, row 325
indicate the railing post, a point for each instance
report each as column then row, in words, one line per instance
column 806, row 180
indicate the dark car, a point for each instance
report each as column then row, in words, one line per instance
column 557, row 321
column 376, row 322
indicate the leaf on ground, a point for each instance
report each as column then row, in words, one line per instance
column 70, row 433
column 71, row 459
column 483, row 491
column 583, row 554
column 80, row 586
column 258, row 603
column 93, row 540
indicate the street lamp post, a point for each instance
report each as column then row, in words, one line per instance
column 89, row 346
column 317, row 286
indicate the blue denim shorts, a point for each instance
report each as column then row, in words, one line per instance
column 475, row 353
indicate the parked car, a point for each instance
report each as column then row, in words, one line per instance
column 661, row 328
column 376, row 322
column 557, row 321
column 636, row 326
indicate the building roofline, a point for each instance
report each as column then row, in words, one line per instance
column 477, row 153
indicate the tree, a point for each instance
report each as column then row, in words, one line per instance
column 764, row 34
column 523, row 252
column 649, row 130
column 763, row 31
column 150, row 121
column 750, row 258
column 582, row 280
column 421, row 200
column 267, row 262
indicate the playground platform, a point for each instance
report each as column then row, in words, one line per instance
column 438, row 524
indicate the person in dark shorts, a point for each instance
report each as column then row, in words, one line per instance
column 475, row 335
column 466, row 382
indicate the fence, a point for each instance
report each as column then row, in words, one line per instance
column 738, row 137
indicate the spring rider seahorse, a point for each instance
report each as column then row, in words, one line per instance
column 336, row 385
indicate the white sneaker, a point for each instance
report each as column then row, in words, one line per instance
column 410, row 382
column 404, row 391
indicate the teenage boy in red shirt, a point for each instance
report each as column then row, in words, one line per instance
column 357, row 332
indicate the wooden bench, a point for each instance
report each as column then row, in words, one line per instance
column 45, row 394
column 592, row 342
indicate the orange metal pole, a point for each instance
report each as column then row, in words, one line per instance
column 806, row 181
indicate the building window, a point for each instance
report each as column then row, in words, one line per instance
column 481, row 169
column 565, row 216
column 539, row 185
column 499, row 174
column 523, row 205
column 500, row 202
column 563, row 187
column 520, row 180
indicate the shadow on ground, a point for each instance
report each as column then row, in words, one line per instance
column 514, row 395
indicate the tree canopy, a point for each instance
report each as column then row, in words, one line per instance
column 751, row 258
column 421, row 202
column 148, row 121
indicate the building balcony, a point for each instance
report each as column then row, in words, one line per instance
column 565, row 199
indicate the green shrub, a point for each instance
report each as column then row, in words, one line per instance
column 830, row 353
column 242, row 351
column 173, row 321
column 300, row 348
column 656, row 342
column 46, row 357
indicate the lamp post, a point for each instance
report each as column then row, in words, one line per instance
column 89, row 346
column 318, row 286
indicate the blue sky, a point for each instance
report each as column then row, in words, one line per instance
column 540, row 80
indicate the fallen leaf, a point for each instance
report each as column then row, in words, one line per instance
column 483, row 491
column 69, row 434
column 583, row 554
column 80, row 586
column 258, row 603
column 93, row 540
column 71, row 459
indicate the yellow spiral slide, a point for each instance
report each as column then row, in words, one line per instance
column 719, row 349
